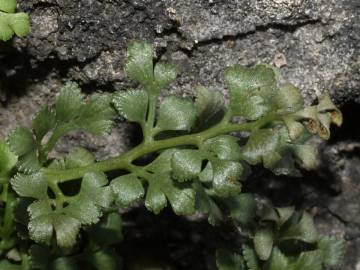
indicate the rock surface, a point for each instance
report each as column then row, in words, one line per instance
column 316, row 43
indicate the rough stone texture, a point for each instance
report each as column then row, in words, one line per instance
column 315, row 42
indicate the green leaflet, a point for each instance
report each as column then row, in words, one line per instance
column 303, row 229
column 291, row 225
column 7, row 161
column 318, row 118
column 161, row 187
column 12, row 23
column 139, row 67
column 288, row 99
column 278, row 261
column 280, row 156
column 227, row 175
column 285, row 165
column 186, row 164
column 72, row 113
column 128, row 189
column 332, row 250
column 279, row 244
column 104, row 259
column 295, row 128
column 19, row 22
column 252, row 90
column 263, row 243
column 242, row 208
column 93, row 196
column 78, row 157
column 182, row 200
column 260, row 79
column 40, row 257
column 96, row 115
column 8, row 5
column 68, row 102
column 34, row 185
column 29, row 162
column 20, row 216
column 205, row 204
column 307, row 154
column 124, row 104
column 176, row 114
column 226, row 260
column 261, row 147
column 69, row 113
column 207, row 174
column 327, row 106
column 155, row 199
column 23, row 144
column 43, row 221
column 283, row 214
column 224, row 147
column 164, row 74
column 276, row 150
column 308, row 260
column 250, row 258
column 108, row 231
column 64, row 263
column 210, row 107
column 6, row 265
column 43, row 122
column 66, row 222
column 162, row 163
column 252, row 108
column 324, row 125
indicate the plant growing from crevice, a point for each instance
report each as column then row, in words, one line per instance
column 11, row 22
column 202, row 152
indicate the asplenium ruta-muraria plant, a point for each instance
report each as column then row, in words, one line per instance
column 10, row 22
column 201, row 152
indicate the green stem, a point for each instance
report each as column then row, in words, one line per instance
column 149, row 125
column 8, row 217
column 7, row 227
column 25, row 262
column 140, row 172
column 124, row 162
column 58, row 132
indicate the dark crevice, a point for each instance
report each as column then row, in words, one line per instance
column 18, row 72
column 44, row 5
column 337, row 217
column 50, row 193
column 174, row 45
column 350, row 129
column 70, row 188
column 136, row 134
column 352, row 237
column 284, row 190
column 287, row 28
column 174, row 29
column 14, row 84
column 28, row 6
column 116, row 173
column 167, row 241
